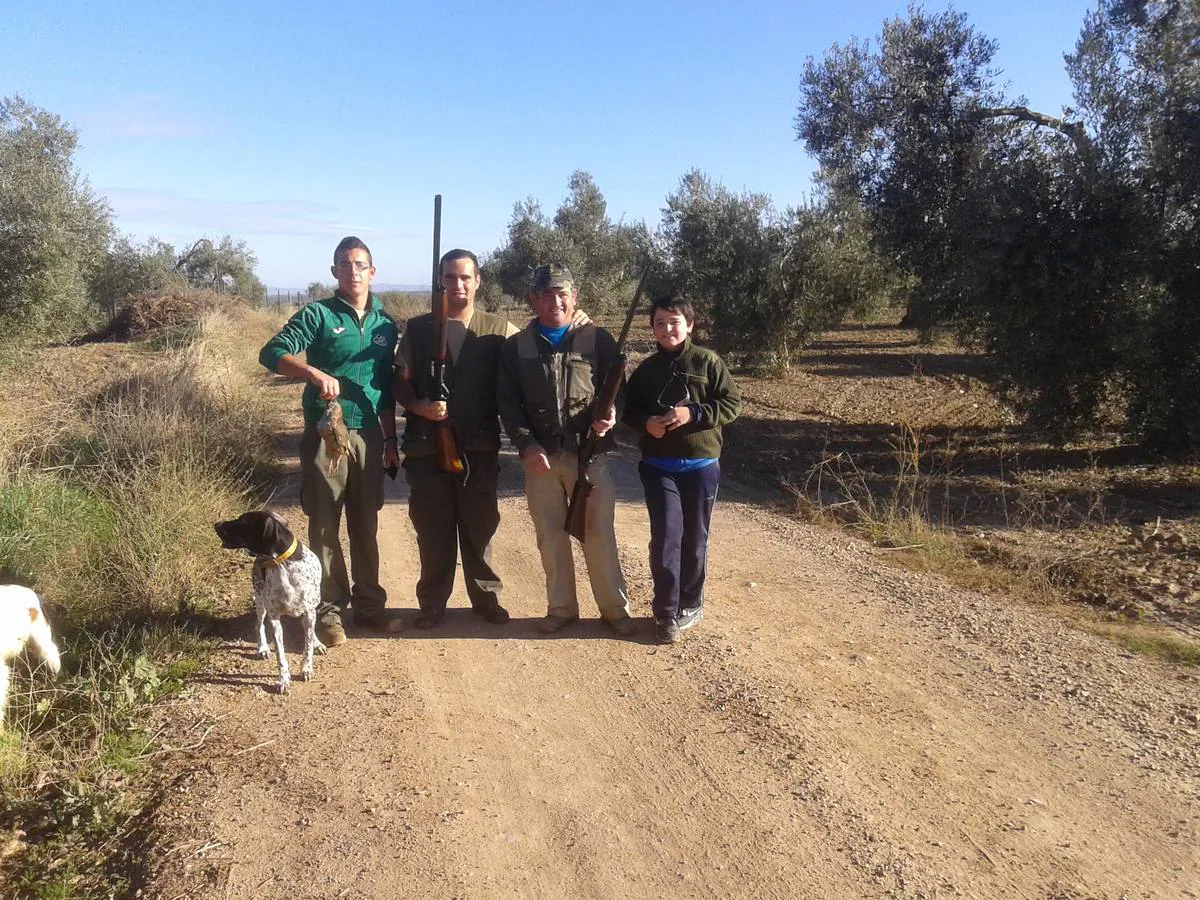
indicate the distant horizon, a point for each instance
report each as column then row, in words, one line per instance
column 377, row 287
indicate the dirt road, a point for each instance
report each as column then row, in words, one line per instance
column 834, row 728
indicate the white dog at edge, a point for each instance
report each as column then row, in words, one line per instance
column 22, row 621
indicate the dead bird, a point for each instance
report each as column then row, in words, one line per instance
column 332, row 429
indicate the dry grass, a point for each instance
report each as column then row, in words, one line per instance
column 117, row 460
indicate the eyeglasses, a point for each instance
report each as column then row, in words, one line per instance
column 346, row 265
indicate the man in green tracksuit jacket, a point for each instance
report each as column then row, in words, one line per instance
column 349, row 344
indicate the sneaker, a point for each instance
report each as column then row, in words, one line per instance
column 496, row 614
column 624, row 626
column 330, row 632
column 429, row 619
column 689, row 617
column 555, row 622
column 668, row 632
column 379, row 620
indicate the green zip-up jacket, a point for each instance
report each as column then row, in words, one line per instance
column 358, row 354
column 693, row 376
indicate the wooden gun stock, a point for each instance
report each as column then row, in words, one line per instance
column 576, row 524
column 448, row 458
column 606, row 400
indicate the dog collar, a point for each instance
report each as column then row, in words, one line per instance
column 282, row 557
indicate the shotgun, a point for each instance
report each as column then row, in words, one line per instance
column 576, row 524
column 448, row 459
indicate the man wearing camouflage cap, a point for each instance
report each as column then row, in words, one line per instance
column 550, row 373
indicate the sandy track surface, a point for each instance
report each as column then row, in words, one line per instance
column 834, row 728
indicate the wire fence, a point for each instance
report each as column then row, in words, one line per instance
column 278, row 297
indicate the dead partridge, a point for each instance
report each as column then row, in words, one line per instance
column 332, row 429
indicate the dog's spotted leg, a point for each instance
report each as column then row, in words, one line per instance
column 285, row 675
column 311, row 644
column 263, row 650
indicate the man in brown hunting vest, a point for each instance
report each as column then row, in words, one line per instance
column 550, row 372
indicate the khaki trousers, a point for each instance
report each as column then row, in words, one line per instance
column 548, row 494
column 355, row 487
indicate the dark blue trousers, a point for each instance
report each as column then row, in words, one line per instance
column 680, row 506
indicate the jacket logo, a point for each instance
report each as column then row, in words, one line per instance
column 339, row 329
column 380, row 340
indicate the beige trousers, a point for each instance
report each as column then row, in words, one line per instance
column 548, row 494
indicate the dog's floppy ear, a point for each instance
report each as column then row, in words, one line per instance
column 276, row 530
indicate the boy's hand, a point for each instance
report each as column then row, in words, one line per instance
column 655, row 426
column 676, row 416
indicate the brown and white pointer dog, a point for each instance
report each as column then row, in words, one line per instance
column 286, row 579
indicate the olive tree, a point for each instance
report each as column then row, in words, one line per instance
column 53, row 230
column 1062, row 245
column 601, row 254
column 763, row 282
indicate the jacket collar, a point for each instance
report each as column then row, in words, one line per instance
column 373, row 302
column 683, row 348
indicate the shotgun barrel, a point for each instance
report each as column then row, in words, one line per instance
column 448, row 458
column 602, row 407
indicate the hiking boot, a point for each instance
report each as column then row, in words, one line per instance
column 329, row 630
column 668, row 632
column 496, row 614
column 429, row 619
column 689, row 617
column 379, row 620
column 555, row 622
column 624, row 626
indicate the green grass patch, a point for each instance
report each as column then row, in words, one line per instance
column 107, row 512
column 1146, row 641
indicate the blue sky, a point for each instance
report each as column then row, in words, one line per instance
column 291, row 124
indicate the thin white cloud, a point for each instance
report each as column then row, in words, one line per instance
column 143, row 117
column 291, row 238
column 145, row 209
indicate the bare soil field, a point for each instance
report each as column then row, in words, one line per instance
column 836, row 727
column 869, row 409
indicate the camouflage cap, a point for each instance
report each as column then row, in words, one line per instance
column 551, row 275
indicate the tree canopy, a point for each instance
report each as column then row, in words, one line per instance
column 765, row 281
column 62, row 264
column 1064, row 246
column 601, row 254
column 53, row 230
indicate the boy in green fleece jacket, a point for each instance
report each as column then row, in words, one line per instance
column 678, row 400
column 348, row 342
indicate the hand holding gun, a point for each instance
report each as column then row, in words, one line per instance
column 604, row 418
column 448, row 458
